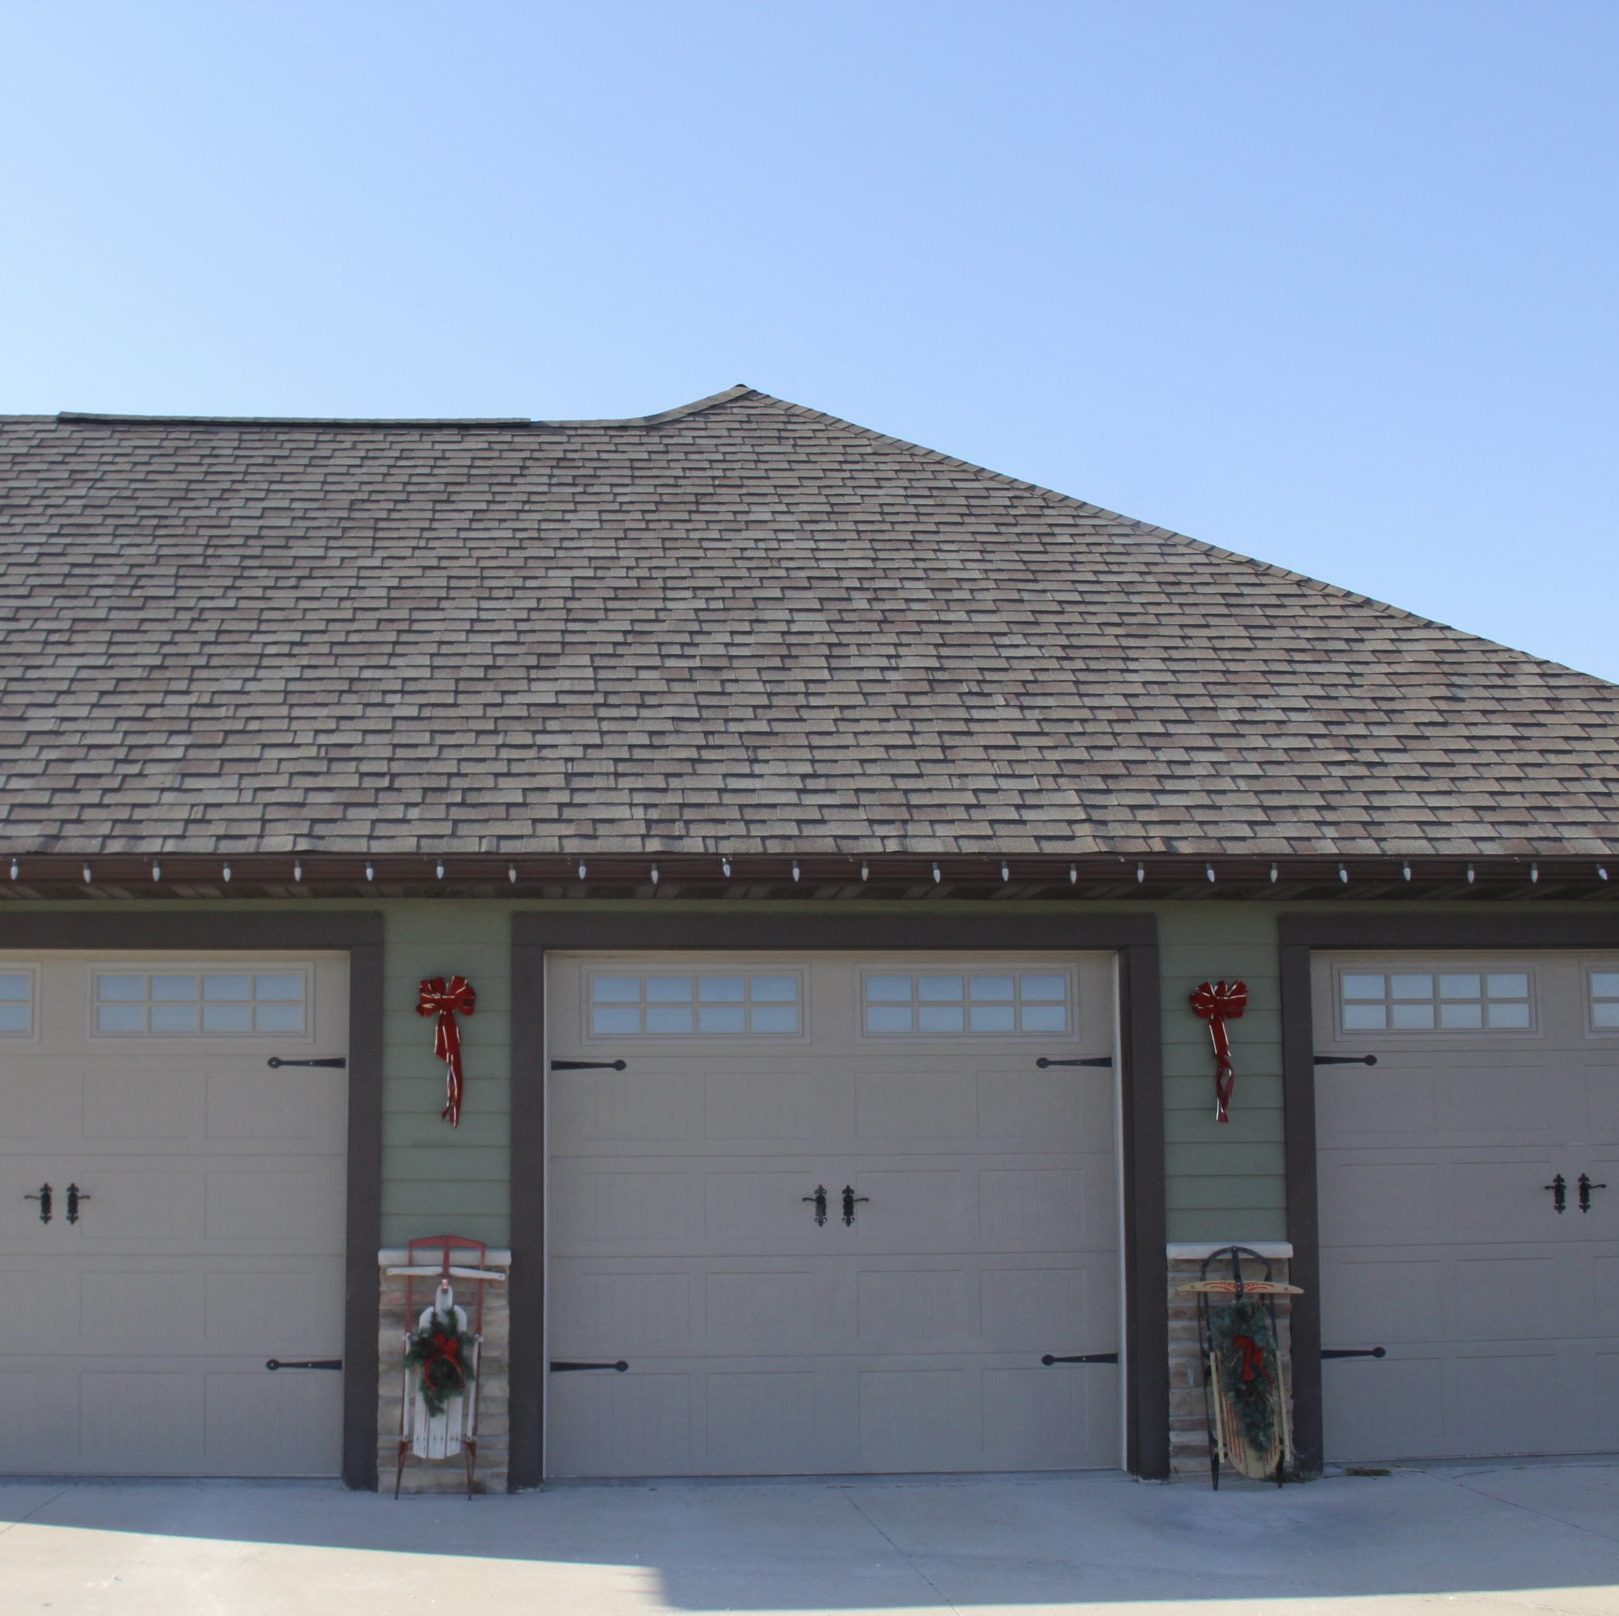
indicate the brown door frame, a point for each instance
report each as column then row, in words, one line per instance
column 1134, row 938
column 359, row 935
column 1299, row 935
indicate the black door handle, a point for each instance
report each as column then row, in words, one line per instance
column 44, row 1199
column 1559, row 1189
column 74, row 1197
column 1586, row 1186
column 818, row 1199
column 850, row 1202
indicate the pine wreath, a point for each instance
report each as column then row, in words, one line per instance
column 1244, row 1350
column 444, row 1353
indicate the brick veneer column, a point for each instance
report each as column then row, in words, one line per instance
column 444, row 1475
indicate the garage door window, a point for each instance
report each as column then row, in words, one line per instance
column 16, row 1004
column 716, row 1005
column 169, row 1004
column 935, row 1004
column 1436, row 1001
column 1604, row 1000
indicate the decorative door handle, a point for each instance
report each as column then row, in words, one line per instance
column 1586, row 1186
column 1559, row 1189
column 818, row 1199
column 44, row 1199
column 74, row 1197
column 850, row 1202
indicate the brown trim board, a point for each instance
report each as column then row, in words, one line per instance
column 1133, row 937
column 360, row 936
column 1299, row 935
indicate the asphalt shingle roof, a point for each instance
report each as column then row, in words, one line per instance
column 739, row 626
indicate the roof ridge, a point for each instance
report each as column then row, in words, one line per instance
column 1155, row 530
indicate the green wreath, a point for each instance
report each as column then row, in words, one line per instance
column 444, row 1354
column 1245, row 1355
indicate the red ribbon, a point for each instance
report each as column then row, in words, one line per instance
column 1217, row 1003
column 1252, row 1354
column 447, row 1000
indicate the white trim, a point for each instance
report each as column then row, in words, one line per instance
column 1198, row 1250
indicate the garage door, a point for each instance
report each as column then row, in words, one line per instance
column 208, row 1231
column 1441, row 1239
column 970, row 1222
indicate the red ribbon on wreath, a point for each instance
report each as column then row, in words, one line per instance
column 447, row 1000
column 1252, row 1366
column 1217, row 1003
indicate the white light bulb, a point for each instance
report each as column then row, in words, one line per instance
column 157, row 872
column 298, row 871
column 865, row 872
column 1208, row 870
column 1273, row 873
column 795, row 869
column 370, row 873
column 1469, row 874
column 438, row 869
column 1343, row 875
column 16, row 869
column 1141, row 873
column 1006, row 873
column 1405, row 871
column 226, row 872
column 511, row 874
column 1534, row 872
column 725, row 868
column 654, row 875
column 582, row 871
column 936, row 875
column 87, row 875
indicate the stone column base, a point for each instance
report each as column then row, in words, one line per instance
column 1188, row 1418
column 444, row 1475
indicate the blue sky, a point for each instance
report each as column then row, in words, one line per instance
column 1332, row 284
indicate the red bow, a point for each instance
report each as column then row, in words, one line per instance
column 447, row 1000
column 1252, row 1366
column 1217, row 1003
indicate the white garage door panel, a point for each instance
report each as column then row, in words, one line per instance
column 762, row 1343
column 1439, row 1240
column 210, row 1238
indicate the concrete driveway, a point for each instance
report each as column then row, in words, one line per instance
column 1540, row 1538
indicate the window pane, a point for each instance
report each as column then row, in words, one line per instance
column 721, row 1018
column 1462, row 1017
column 939, row 1018
column 120, row 1018
column 120, row 987
column 174, row 987
column 993, row 1018
column 775, row 987
column 670, row 1019
column 14, row 985
column 15, row 1017
column 1605, row 1015
column 888, row 1018
column 1412, row 986
column 775, row 1018
column 1365, row 1018
column 1605, row 984
column 1412, row 1017
column 992, row 987
column 278, row 1018
column 278, row 987
column 1509, row 1015
column 1044, row 987
column 1459, row 987
column 888, row 987
column 616, row 990
column 668, row 990
column 174, row 1018
column 1363, row 987
column 227, row 1018
column 938, row 987
column 229, row 987
column 1044, row 1017
column 724, row 988
column 1509, row 985
column 605, row 1023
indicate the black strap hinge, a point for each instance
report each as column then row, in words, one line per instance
column 303, row 1363
column 1346, row 1060
column 1083, row 1357
column 1090, row 1060
column 588, row 1066
column 1354, row 1352
column 276, row 1061
column 567, row 1366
